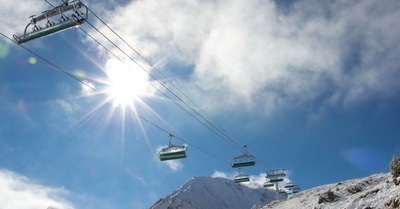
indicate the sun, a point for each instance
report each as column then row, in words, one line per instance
column 125, row 84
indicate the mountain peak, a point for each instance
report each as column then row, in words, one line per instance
column 208, row 192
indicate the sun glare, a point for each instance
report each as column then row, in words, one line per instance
column 125, row 85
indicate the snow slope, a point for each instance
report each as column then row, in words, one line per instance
column 218, row 193
column 376, row 191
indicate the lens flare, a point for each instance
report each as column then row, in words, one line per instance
column 365, row 159
column 32, row 60
column 80, row 73
column 4, row 50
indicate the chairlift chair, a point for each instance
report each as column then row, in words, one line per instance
column 268, row 184
column 282, row 192
column 289, row 184
column 295, row 189
column 276, row 180
column 172, row 152
column 241, row 178
column 243, row 160
column 65, row 16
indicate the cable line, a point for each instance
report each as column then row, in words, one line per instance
column 169, row 90
column 164, row 77
column 213, row 130
column 52, row 64
column 165, row 95
column 219, row 128
column 216, row 128
column 100, row 93
column 162, row 84
column 108, row 50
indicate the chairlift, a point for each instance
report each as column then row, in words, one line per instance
column 241, row 178
column 65, row 16
column 289, row 184
column 295, row 189
column 243, row 160
column 275, row 175
column 282, row 192
column 268, row 184
column 276, row 180
column 172, row 152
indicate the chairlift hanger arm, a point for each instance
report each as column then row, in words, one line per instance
column 62, row 8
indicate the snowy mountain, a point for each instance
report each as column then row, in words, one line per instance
column 376, row 191
column 218, row 193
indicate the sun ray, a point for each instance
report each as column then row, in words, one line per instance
column 88, row 114
column 123, row 122
column 139, row 121
column 154, row 113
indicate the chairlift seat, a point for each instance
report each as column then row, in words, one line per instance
column 241, row 178
column 289, row 185
column 266, row 184
column 172, row 152
column 275, row 180
column 243, row 161
column 243, row 164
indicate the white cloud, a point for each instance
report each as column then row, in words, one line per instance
column 174, row 165
column 67, row 106
column 17, row 191
column 256, row 181
column 17, row 106
column 87, row 89
column 15, row 15
column 136, row 176
column 219, row 174
column 288, row 173
column 250, row 54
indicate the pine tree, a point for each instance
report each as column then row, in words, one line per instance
column 395, row 169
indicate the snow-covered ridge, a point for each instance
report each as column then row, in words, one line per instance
column 218, row 193
column 376, row 191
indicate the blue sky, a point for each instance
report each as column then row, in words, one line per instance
column 309, row 86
